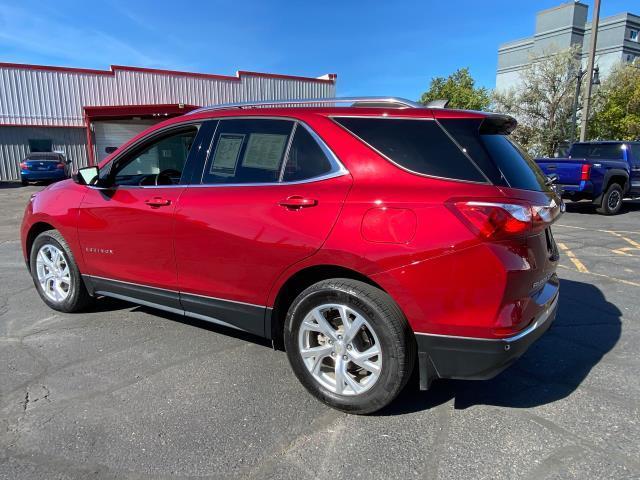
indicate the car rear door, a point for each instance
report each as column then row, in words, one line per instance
column 126, row 229
column 268, row 195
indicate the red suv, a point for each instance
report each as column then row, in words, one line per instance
column 368, row 239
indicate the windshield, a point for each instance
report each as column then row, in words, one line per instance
column 611, row 151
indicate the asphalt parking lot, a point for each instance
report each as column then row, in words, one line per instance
column 125, row 391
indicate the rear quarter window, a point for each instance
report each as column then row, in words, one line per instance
column 420, row 146
column 500, row 157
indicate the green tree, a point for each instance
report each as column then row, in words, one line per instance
column 542, row 102
column 616, row 109
column 459, row 88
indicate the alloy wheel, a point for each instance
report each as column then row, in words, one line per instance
column 340, row 349
column 614, row 200
column 53, row 273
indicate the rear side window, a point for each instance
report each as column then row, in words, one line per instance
column 420, row 146
column 247, row 151
column 598, row 151
column 306, row 159
column 516, row 165
column 502, row 159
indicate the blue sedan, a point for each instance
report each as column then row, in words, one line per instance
column 44, row 166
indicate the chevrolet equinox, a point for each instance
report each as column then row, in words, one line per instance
column 366, row 236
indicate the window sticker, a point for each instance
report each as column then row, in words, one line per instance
column 225, row 157
column 264, row 151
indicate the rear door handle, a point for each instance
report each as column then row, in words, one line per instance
column 296, row 202
column 157, row 202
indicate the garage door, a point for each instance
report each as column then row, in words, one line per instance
column 111, row 134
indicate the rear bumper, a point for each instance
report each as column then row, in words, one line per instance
column 33, row 176
column 582, row 189
column 443, row 356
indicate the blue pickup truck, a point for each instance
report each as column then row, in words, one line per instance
column 603, row 172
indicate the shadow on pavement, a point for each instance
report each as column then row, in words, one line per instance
column 587, row 327
column 587, row 208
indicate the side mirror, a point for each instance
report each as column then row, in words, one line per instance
column 86, row 175
column 552, row 179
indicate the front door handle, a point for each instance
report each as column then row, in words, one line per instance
column 296, row 202
column 156, row 202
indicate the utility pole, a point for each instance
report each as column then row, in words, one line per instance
column 592, row 55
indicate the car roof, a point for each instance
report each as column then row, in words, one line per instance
column 350, row 106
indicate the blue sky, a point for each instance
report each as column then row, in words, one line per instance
column 375, row 47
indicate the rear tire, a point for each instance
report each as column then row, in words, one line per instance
column 24, row 182
column 55, row 274
column 611, row 200
column 358, row 365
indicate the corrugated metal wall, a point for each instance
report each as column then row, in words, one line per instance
column 41, row 97
column 14, row 146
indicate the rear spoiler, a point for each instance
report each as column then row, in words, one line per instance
column 498, row 124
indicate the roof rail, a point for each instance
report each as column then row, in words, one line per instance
column 439, row 103
column 388, row 102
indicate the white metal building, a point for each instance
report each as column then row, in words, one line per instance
column 565, row 26
column 84, row 112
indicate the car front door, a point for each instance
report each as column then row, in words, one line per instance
column 126, row 226
column 269, row 194
column 634, row 158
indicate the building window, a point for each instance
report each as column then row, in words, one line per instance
column 633, row 35
column 40, row 145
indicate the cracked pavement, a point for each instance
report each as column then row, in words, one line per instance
column 129, row 392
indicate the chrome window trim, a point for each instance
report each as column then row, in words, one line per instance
column 338, row 168
column 378, row 117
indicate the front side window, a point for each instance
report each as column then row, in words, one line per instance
column 420, row 146
column 159, row 162
column 247, row 151
column 635, row 152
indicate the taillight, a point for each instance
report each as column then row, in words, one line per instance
column 60, row 166
column 24, row 166
column 585, row 172
column 499, row 220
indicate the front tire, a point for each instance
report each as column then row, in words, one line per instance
column 611, row 200
column 349, row 345
column 55, row 273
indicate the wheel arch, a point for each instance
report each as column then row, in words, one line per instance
column 620, row 177
column 36, row 229
column 299, row 281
